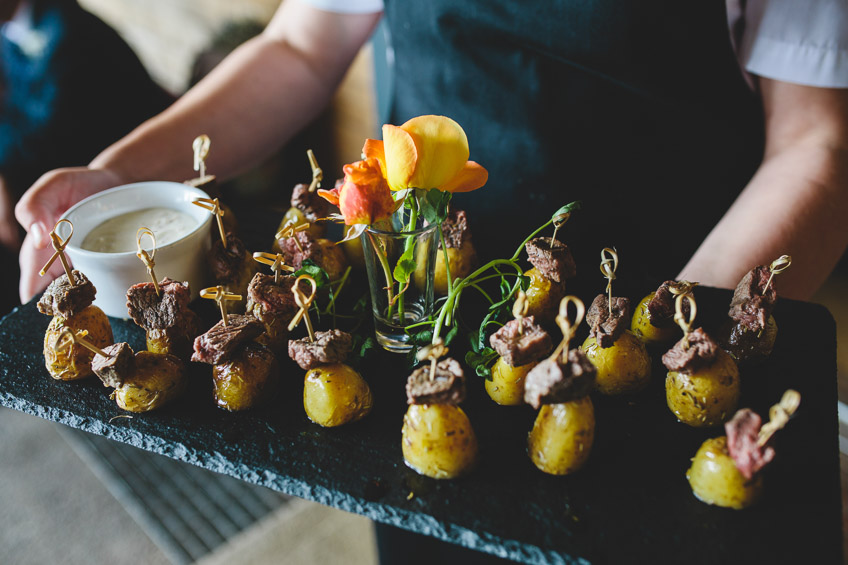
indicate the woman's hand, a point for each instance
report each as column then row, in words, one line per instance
column 40, row 208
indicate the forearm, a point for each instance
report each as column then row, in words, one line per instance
column 254, row 101
column 796, row 204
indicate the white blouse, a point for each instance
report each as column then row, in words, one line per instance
column 798, row 41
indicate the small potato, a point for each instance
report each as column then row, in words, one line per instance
column 156, row 380
column 335, row 394
column 438, row 441
column 461, row 263
column 296, row 216
column 276, row 334
column 74, row 362
column 745, row 346
column 623, row 368
column 247, row 379
column 354, row 252
column 707, row 397
column 642, row 327
column 332, row 260
column 543, row 297
column 170, row 341
column 562, row 436
column 715, row 479
column 507, row 384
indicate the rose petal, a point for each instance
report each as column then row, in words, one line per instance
column 442, row 150
column 331, row 196
column 471, row 177
column 401, row 156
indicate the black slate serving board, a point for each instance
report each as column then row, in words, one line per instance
column 630, row 504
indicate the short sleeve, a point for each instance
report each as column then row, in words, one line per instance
column 347, row 6
column 798, row 41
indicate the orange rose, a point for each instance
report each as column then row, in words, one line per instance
column 364, row 198
column 426, row 152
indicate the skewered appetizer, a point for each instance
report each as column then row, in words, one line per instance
column 271, row 302
column 552, row 264
column 162, row 310
column 564, row 431
column 71, row 307
column 334, row 394
column 232, row 266
column 462, row 257
column 702, row 387
column 749, row 335
column 726, row 470
column 437, row 438
column 244, row 373
column 622, row 360
column 142, row 381
column 297, row 246
column 653, row 317
column 306, row 206
column 520, row 344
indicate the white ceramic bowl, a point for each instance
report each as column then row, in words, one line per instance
column 112, row 274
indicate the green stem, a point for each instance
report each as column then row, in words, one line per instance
column 453, row 296
column 445, row 256
column 384, row 262
column 410, row 242
column 529, row 237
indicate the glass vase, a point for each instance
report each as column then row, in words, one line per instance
column 398, row 304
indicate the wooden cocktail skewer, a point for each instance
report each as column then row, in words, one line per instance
column 201, row 145
column 304, row 302
column 680, row 318
column 220, row 296
column 147, row 258
column 67, row 337
column 290, row 230
column 559, row 221
column 59, row 251
column 317, row 173
column 682, row 287
column 276, row 263
column 779, row 415
column 567, row 327
column 519, row 310
column 214, row 206
column 777, row 266
column 432, row 353
column 608, row 267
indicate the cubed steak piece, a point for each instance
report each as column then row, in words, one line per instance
column 555, row 382
column 221, row 342
column 518, row 348
column 446, row 387
column 329, row 347
column 63, row 299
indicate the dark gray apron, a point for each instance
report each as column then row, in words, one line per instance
column 637, row 108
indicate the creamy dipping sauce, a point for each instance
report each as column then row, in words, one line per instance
column 118, row 234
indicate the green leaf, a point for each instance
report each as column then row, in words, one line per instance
column 309, row 267
column 405, row 266
column 568, row 208
column 434, row 204
column 481, row 361
column 451, row 335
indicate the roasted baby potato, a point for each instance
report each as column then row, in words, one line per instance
column 247, row 379
column 335, row 394
column 333, row 259
column 156, row 380
column 707, row 397
column 747, row 346
column 438, row 441
column 461, row 261
column 354, row 253
column 74, row 362
column 297, row 217
column 623, row 368
column 507, row 384
column 543, row 297
column 642, row 327
column 562, row 436
column 715, row 479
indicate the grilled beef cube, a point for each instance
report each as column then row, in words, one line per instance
column 446, row 387
column 518, row 349
column 329, row 347
column 555, row 382
column 220, row 342
column 552, row 258
column 62, row 299
column 606, row 327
